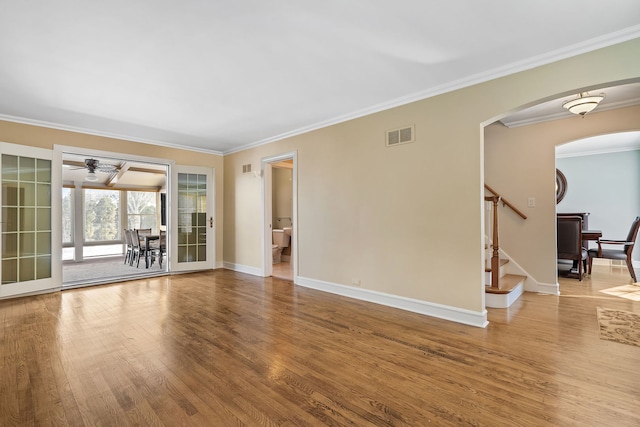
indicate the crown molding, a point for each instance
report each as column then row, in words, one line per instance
column 57, row 126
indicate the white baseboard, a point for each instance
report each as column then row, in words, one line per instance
column 254, row 271
column 454, row 314
column 219, row 264
column 548, row 288
column 34, row 293
column 615, row 263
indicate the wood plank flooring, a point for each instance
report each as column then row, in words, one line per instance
column 226, row 349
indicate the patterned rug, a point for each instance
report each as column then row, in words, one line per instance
column 619, row 326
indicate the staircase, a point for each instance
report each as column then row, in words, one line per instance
column 502, row 288
column 511, row 286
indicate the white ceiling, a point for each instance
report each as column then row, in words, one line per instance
column 219, row 76
column 612, row 143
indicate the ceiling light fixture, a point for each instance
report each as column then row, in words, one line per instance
column 584, row 103
column 91, row 176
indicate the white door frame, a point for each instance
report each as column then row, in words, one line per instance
column 267, row 220
column 60, row 150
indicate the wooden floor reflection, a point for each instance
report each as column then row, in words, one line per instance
column 282, row 270
column 222, row 348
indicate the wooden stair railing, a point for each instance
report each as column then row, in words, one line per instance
column 506, row 202
column 495, row 255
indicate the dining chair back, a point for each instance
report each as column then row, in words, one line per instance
column 569, row 243
column 623, row 251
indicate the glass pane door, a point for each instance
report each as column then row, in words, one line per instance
column 194, row 219
column 26, row 245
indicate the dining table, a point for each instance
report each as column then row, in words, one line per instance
column 591, row 235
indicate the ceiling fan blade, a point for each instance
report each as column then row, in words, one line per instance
column 92, row 165
column 106, row 168
column 73, row 164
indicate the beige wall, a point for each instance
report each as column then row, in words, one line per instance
column 520, row 163
column 23, row 134
column 406, row 220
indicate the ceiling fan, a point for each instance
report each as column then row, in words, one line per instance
column 93, row 166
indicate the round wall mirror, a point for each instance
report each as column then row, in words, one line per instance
column 561, row 186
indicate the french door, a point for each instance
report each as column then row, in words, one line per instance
column 30, row 240
column 192, row 229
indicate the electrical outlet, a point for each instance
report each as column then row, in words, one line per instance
column 355, row 282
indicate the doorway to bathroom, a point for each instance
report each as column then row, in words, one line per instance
column 280, row 216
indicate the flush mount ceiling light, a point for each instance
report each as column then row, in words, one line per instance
column 584, row 103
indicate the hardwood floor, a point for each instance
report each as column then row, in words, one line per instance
column 226, row 349
column 283, row 270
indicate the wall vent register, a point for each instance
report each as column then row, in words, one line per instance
column 400, row 136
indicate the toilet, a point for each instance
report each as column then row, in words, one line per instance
column 280, row 241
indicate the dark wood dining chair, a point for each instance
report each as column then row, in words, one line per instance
column 623, row 251
column 569, row 242
column 143, row 232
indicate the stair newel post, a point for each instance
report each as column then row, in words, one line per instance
column 495, row 256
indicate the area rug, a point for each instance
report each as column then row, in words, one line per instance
column 631, row 292
column 619, row 326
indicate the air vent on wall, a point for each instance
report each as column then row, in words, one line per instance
column 400, row 136
column 246, row 168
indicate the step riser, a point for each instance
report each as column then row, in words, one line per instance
column 511, row 286
column 503, row 300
